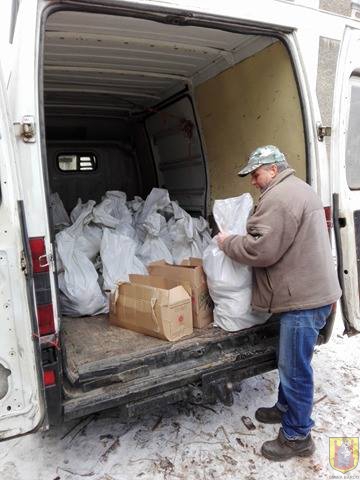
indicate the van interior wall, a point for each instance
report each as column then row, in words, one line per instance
column 117, row 145
column 256, row 103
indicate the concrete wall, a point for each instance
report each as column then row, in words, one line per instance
column 343, row 7
column 328, row 57
column 253, row 103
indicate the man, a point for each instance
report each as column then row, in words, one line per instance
column 288, row 245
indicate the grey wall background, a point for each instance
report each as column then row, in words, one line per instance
column 328, row 55
column 337, row 6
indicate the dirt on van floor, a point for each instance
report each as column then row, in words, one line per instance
column 198, row 442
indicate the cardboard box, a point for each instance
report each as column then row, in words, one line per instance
column 154, row 306
column 189, row 271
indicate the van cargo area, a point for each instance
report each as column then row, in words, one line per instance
column 139, row 103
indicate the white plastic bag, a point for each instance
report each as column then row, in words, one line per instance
column 135, row 206
column 185, row 244
column 154, row 248
column 164, row 233
column 175, row 211
column 79, row 208
column 158, row 199
column 102, row 214
column 186, row 241
column 230, row 282
column 119, row 208
column 59, row 214
column 118, row 258
column 88, row 235
column 80, row 293
column 202, row 228
column 89, row 241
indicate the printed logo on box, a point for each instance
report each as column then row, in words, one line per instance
column 344, row 453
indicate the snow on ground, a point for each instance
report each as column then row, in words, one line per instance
column 198, row 443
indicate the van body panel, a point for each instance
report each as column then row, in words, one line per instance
column 21, row 403
column 266, row 78
column 178, row 154
column 345, row 167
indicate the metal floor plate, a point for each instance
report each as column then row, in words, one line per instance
column 91, row 345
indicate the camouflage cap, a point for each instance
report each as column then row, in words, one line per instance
column 262, row 156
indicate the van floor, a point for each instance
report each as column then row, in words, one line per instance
column 94, row 349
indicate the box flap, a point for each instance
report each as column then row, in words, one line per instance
column 178, row 296
column 159, row 281
column 160, row 262
column 194, row 274
column 192, row 262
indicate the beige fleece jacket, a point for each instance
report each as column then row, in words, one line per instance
column 288, row 245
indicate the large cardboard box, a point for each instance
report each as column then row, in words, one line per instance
column 155, row 306
column 191, row 272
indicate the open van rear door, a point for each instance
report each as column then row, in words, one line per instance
column 21, row 397
column 345, row 170
column 178, row 154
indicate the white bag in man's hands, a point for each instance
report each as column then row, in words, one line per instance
column 230, row 282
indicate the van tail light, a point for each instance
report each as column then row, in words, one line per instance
column 328, row 217
column 48, row 342
column 46, row 319
column 45, row 312
column 49, row 378
column 38, row 254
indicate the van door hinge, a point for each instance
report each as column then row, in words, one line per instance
column 322, row 132
column 26, row 129
column 24, row 263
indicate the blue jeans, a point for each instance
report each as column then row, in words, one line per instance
column 299, row 331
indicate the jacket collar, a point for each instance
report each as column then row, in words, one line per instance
column 279, row 178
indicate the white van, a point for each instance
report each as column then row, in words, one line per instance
column 126, row 95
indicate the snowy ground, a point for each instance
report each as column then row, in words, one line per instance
column 198, row 442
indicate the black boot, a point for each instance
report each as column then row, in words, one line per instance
column 282, row 449
column 268, row 415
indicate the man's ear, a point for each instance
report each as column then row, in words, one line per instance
column 274, row 170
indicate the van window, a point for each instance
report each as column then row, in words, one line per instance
column 353, row 137
column 77, row 162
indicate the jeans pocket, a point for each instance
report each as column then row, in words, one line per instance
column 322, row 315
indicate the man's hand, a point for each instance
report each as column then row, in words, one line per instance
column 220, row 238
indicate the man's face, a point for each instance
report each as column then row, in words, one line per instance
column 263, row 176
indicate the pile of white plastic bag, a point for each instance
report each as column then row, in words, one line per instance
column 230, row 282
column 100, row 244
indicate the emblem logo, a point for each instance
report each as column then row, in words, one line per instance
column 344, row 453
